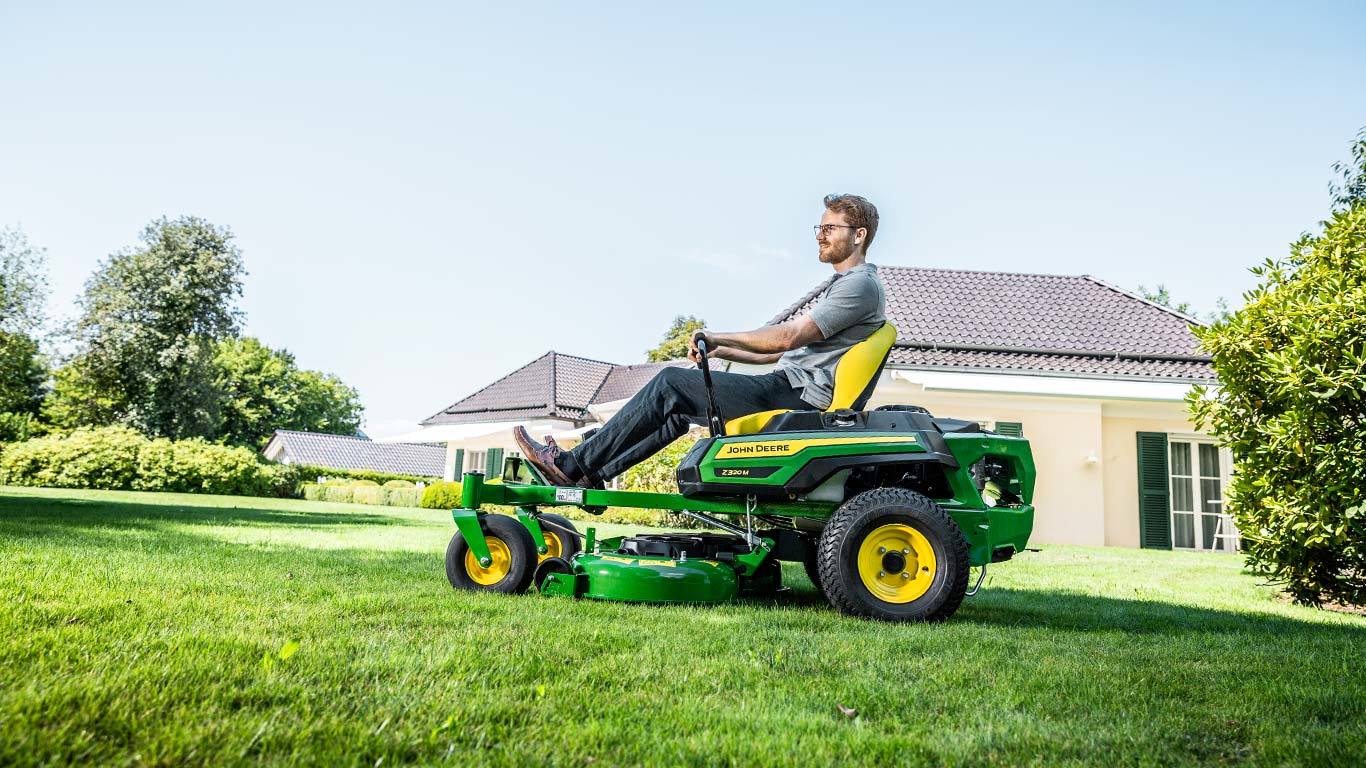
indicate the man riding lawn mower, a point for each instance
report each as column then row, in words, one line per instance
column 888, row 509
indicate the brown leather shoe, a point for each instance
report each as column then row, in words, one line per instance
column 542, row 457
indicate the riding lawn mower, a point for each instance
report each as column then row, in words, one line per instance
column 888, row 509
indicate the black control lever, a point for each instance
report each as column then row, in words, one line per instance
column 714, row 417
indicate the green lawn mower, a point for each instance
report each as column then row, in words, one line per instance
column 888, row 509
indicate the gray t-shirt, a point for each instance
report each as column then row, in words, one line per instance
column 848, row 311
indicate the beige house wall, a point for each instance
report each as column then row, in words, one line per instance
column 1122, row 423
column 1064, row 433
column 1085, row 453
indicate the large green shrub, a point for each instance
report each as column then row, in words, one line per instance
column 119, row 458
column 1292, row 406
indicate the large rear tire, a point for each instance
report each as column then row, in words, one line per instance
column 512, row 550
column 895, row 555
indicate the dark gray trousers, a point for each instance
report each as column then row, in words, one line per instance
column 662, row 411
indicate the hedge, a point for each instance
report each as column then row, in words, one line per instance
column 120, row 458
column 361, row 493
column 310, row 472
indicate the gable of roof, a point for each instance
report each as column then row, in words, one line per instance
column 343, row 452
column 1017, row 321
column 553, row 385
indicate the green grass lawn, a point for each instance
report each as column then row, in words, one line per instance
column 170, row 629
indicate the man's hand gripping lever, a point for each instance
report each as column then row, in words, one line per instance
column 714, row 418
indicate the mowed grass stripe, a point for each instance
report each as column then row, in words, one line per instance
column 134, row 627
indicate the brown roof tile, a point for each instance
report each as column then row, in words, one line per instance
column 626, row 380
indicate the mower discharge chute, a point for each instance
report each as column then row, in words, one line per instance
column 886, row 508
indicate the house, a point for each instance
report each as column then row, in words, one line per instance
column 1096, row 378
column 344, row 452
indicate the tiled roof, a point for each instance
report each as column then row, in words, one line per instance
column 551, row 386
column 1045, row 323
column 626, row 380
column 342, row 452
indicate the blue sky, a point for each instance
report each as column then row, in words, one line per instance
column 430, row 195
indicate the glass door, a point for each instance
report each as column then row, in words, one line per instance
column 1198, row 472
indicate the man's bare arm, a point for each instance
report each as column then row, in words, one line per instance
column 780, row 338
column 738, row 355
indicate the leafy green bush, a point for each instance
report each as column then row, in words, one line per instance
column 1292, row 407
column 443, row 494
column 399, row 484
column 119, row 458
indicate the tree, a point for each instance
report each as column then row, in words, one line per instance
column 23, row 299
column 326, row 404
column 1292, row 407
column 23, row 284
column 1161, row 296
column 22, row 374
column 76, row 399
column 263, row 390
column 1351, row 190
column 150, row 317
column 675, row 343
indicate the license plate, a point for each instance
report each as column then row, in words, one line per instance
column 569, row 495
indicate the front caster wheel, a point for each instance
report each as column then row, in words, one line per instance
column 512, row 552
column 559, row 543
column 895, row 555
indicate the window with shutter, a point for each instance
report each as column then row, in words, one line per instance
column 1010, row 428
column 459, row 463
column 1154, row 492
column 494, row 466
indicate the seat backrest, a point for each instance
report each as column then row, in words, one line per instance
column 857, row 371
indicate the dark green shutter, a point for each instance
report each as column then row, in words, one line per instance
column 1154, row 492
column 1010, row 428
column 459, row 463
column 494, row 466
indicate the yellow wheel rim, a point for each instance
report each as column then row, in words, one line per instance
column 497, row 570
column 896, row 563
column 553, row 547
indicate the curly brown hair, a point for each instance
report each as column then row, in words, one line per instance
column 857, row 211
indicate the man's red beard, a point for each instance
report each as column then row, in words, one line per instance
column 835, row 253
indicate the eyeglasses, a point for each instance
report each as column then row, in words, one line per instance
column 829, row 229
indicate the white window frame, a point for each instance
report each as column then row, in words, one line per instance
column 475, row 460
column 1230, row 536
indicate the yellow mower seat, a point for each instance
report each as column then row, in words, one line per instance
column 855, row 375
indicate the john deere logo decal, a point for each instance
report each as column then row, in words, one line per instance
column 751, row 449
